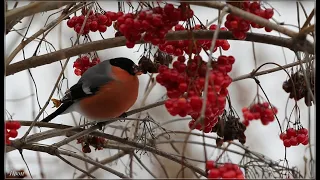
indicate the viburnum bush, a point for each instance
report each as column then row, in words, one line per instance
column 196, row 61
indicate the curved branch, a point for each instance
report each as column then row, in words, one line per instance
column 36, row 61
column 247, row 16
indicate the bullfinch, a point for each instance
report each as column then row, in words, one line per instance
column 106, row 90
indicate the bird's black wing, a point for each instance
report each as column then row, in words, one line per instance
column 88, row 85
column 75, row 93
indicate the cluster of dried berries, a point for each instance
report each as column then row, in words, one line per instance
column 229, row 128
column 94, row 141
column 297, row 87
column 160, row 58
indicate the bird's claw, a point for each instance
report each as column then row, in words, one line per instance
column 101, row 125
column 123, row 115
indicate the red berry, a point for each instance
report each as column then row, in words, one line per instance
column 168, row 9
column 93, row 26
column 191, row 124
column 15, row 124
column 246, row 122
column 291, row 132
column 169, row 49
column 267, row 29
column 239, row 35
column 268, row 13
column 102, row 28
column 225, row 46
column 283, row 136
column 181, row 59
column 102, row 19
column 233, row 25
column 80, row 19
column 301, row 138
column 71, row 23
column 9, row 125
column 210, row 165
column 306, row 141
column 303, row 131
column 86, row 149
column 129, row 22
column 196, row 103
column 183, row 87
column 13, row 133
column 214, row 173
column 229, row 174
column 286, row 143
column 182, row 102
column 78, row 72
column 130, row 44
column 293, row 141
column 244, row 26
column 213, row 27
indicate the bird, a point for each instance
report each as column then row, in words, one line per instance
column 106, row 90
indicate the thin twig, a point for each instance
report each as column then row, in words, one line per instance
column 250, row 75
column 76, row 167
column 104, row 161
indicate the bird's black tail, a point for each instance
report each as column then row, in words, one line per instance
column 60, row 110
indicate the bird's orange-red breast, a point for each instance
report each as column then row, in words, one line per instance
column 114, row 98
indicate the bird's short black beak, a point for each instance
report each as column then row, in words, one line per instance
column 137, row 70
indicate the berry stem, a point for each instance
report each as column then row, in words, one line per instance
column 224, row 150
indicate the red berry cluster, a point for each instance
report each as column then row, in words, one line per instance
column 11, row 128
column 96, row 142
column 155, row 23
column 185, row 84
column 177, row 48
column 225, row 171
column 240, row 26
column 83, row 63
column 95, row 22
column 294, row 137
column 260, row 111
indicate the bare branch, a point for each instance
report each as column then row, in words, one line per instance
column 36, row 61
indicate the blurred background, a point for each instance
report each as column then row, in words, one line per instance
column 21, row 99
